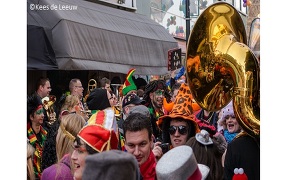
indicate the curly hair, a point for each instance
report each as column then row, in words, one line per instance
column 153, row 86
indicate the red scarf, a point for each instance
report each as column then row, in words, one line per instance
column 147, row 169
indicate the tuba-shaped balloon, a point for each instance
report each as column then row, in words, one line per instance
column 221, row 67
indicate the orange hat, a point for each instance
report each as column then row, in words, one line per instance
column 167, row 106
column 98, row 137
column 182, row 107
column 195, row 107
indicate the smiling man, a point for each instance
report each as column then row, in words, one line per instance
column 155, row 92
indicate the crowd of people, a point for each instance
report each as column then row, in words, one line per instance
column 152, row 132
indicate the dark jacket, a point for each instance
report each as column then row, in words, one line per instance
column 49, row 149
column 243, row 152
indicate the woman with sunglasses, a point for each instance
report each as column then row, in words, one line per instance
column 179, row 125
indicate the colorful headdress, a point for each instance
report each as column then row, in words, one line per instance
column 228, row 110
column 129, row 84
column 182, row 107
column 105, row 118
column 98, row 137
column 151, row 87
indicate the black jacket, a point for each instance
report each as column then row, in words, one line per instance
column 243, row 152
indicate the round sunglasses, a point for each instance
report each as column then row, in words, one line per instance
column 181, row 129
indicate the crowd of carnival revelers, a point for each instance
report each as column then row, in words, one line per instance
column 151, row 131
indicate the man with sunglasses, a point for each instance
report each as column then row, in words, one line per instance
column 179, row 125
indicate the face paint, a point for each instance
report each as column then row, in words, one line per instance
column 159, row 92
column 39, row 110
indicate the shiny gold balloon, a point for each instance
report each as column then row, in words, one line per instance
column 220, row 67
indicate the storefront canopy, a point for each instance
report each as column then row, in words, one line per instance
column 92, row 36
column 40, row 54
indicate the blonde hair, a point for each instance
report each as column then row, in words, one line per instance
column 69, row 127
column 30, row 170
column 70, row 102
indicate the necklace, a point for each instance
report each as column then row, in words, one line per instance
column 208, row 120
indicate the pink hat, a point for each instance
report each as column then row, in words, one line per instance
column 228, row 110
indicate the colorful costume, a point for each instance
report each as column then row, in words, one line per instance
column 38, row 145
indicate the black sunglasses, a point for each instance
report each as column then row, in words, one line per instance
column 181, row 129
